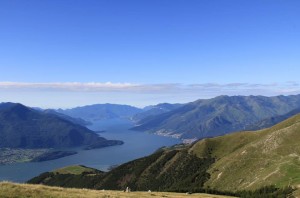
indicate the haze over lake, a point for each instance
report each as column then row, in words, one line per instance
column 137, row 144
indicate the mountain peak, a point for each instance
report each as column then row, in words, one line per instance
column 15, row 109
column 8, row 105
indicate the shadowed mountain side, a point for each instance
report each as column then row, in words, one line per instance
column 162, row 170
column 23, row 127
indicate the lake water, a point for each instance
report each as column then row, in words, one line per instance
column 137, row 144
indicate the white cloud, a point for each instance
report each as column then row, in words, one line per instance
column 71, row 94
column 91, row 87
column 72, row 86
column 167, row 88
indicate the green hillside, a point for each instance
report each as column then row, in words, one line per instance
column 250, row 160
column 234, row 162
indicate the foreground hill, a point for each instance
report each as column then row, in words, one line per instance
column 23, row 127
column 11, row 190
column 98, row 112
column 234, row 162
column 218, row 116
column 249, row 160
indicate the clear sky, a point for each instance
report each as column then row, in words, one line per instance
column 64, row 53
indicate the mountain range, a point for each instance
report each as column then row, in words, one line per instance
column 238, row 161
column 24, row 127
column 98, row 112
column 195, row 120
column 217, row 116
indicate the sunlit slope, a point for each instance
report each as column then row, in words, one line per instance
column 248, row 160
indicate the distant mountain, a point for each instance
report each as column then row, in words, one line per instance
column 69, row 118
column 268, row 122
column 98, row 112
column 24, row 127
column 153, row 110
column 234, row 162
column 218, row 116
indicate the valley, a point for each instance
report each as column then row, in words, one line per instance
column 151, row 98
column 104, row 159
column 134, row 147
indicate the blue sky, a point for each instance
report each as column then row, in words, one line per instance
column 64, row 53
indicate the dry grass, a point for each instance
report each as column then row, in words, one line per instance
column 11, row 190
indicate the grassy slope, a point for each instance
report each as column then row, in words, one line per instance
column 76, row 170
column 250, row 160
column 10, row 190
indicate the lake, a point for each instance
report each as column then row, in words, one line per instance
column 137, row 144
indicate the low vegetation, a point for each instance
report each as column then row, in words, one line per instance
column 10, row 190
